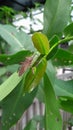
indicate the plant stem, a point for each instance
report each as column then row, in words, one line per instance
column 65, row 40
column 60, row 42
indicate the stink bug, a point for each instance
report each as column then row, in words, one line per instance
column 25, row 65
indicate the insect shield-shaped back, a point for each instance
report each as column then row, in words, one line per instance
column 34, row 76
column 41, row 43
column 25, row 65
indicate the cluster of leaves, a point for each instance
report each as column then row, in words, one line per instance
column 38, row 79
column 7, row 15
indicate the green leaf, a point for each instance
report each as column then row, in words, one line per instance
column 64, row 88
column 41, row 42
column 52, row 42
column 12, row 68
column 14, row 105
column 9, row 85
column 15, row 58
column 70, row 49
column 66, row 104
column 34, row 75
column 50, row 70
column 40, row 93
column 63, row 58
column 68, row 31
column 8, row 34
column 32, row 124
column 18, row 40
column 56, row 16
column 2, row 70
column 53, row 119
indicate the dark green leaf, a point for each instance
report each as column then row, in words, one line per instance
column 53, row 41
column 67, row 105
column 56, row 16
column 14, row 105
column 68, row 31
column 52, row 115
column 34, row 75
column 52, row 75
column 15, row 58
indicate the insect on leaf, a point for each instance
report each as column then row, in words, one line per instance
column 25, row 65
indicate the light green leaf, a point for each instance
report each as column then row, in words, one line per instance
column 56, row 16
column 18, row 40
column 70, row 49
column 41, row 42
column 12, row 68
column 2, row 70
column 32, row 124
column 63, row 58
column 7, row 32
column 64, row 88
column 53, row 119
column 9, row 85
column 51, row 72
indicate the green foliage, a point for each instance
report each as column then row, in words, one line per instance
column 56, row 16
column 9, row 85
column 17, row 40
column 33, row 123
column 52, row 114
column 63, row 88
column 14, row 105
column 34, row 75
column 68, row 31
column 66, row 104
column 63, row 58
column 6, row 14
column 41, row 43
column 15, row 58
column 52, row 42
column 38, row 78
